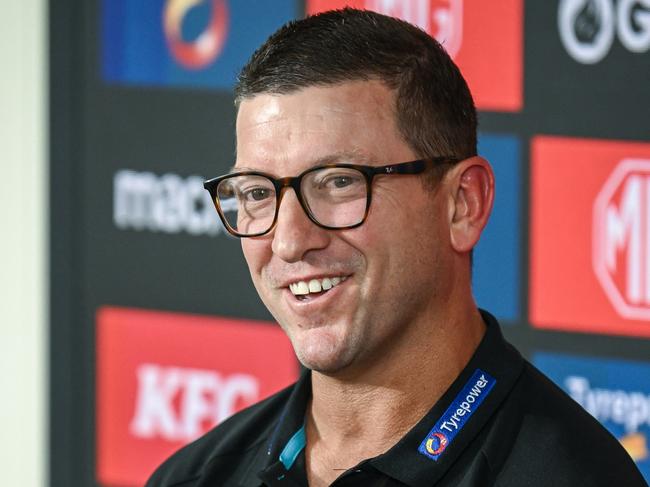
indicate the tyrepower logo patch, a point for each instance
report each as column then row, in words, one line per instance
column 616, row 393
column 184, row 42
column 163, row 379
column 467, row 29
column 457, row 414
column 590, row 236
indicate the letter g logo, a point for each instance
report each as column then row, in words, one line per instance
column 586, row 28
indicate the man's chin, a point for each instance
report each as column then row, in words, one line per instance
column 322, row 353
column 328, row 368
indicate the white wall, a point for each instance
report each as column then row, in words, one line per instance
column 23, row 242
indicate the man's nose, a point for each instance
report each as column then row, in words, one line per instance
column 295, row 234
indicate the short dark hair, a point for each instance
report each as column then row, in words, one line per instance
column 435, row 112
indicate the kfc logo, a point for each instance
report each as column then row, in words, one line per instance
column 164, row 379
column 467, row 29
column 204, row 398
column 590, row 235
column 621, row 255
column 588, row 27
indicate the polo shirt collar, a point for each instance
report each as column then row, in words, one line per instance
column 277, row 454
column 487, row 378
column 479, row 390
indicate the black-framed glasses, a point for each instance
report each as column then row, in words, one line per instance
column 334, row 196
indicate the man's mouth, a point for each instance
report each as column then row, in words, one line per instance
column 303, row 290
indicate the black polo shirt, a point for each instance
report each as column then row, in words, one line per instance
column 501, row 423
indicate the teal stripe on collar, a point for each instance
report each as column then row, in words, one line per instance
column 293, row 448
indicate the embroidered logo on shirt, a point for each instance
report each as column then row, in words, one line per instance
column 457, row 414
column 436, row 443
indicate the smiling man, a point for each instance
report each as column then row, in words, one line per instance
column 358, row 197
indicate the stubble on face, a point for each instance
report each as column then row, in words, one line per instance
column 323, row 341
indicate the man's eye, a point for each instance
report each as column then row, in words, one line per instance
column 340, row 181
column 256, row 194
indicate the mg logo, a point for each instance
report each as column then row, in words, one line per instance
column 443, row 19
column 621, row 238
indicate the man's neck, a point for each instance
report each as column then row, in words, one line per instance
column 381, row 401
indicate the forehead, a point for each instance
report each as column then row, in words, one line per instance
column 292, row 131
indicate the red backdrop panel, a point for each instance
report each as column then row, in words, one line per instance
column 590, row 235
column 165, row 378
column 484, row 38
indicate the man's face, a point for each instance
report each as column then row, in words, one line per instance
column 394, row 269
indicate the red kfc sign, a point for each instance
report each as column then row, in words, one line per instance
column 590, row 236
column 468, row 29
column 163, row 379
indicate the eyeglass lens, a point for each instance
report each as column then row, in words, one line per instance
column 335, row 197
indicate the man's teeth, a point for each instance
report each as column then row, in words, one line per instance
column 302, row 288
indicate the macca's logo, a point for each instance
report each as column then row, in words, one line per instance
column 621, row 238
column 204, row 49
column 144, row 201
column 443, row 19
column 588, row 27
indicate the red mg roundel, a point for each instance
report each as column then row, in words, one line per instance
column 621, row 238
column 468, row 29
column 163, row 379
column 590, row 235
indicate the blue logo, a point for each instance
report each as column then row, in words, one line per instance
column 187, row 43
column 497, row 256
column 457, row 414
column 615, row 392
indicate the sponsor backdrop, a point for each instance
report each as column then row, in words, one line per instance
column 157, row 332
column 613, row 391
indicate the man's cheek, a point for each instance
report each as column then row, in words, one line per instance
column 254, row 259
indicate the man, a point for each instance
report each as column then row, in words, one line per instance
column 358, row 197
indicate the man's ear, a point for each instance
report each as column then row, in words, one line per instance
column 471, row 186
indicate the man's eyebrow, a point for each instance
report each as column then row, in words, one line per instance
column 353, row 156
